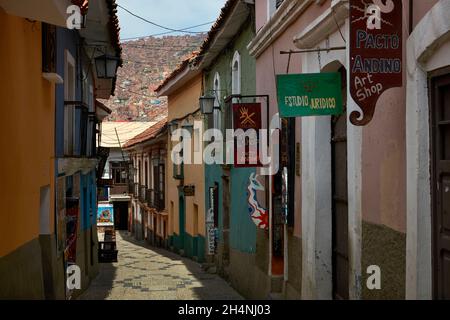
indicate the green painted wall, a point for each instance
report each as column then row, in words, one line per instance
column 192, row 246
column 242, row 229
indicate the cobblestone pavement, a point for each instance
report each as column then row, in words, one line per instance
column 144, row 272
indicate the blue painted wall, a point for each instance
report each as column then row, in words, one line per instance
column 242, row 228
column 88, row 202
column 70, row 40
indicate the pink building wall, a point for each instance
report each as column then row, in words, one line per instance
column 271, row 62
column 384, row 140
column 384, row 146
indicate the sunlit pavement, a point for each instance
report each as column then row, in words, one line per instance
column 146, row 273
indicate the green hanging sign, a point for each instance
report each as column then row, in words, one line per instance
column 309, row 94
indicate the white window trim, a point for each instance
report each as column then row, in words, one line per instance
column 236, row 87
column 216, row 86
column 217, row 114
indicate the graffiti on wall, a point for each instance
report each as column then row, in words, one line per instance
column 258, row 214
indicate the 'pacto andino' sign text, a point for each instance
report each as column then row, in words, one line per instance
column 375, row 53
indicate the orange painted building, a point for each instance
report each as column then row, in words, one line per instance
column 34, row 251
column 27, row 107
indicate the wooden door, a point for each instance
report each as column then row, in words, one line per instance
column 340, row 201
column 440, row 118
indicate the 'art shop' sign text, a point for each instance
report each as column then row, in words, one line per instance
column 375, row 53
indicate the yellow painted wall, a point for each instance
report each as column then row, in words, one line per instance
column 181, row 103
column 26, row 132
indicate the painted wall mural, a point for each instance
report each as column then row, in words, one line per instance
column 259, row 215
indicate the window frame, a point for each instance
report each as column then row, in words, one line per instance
column 70, row 76
column 217, row 112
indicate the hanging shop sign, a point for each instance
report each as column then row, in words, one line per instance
column 210, row 222
column 211, row 234
column 189, row 191
column 375, row 53
column 72, row 213
column 247, row 117
column 105, row 215
column 310, row 94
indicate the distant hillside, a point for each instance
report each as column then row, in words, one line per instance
column 146, row 63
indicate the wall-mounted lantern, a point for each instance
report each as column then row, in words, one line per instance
column 207, row 104
column 106, row 66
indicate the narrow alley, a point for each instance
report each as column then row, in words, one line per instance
column 258, row 150
column 146, row 273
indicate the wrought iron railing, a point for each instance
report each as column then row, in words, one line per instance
column 76, row 125
column 136, row 190
column 143, row 194
column 155, row 199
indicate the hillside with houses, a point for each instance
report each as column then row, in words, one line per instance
column 146, row 62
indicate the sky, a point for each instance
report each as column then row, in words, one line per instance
column 175, row 14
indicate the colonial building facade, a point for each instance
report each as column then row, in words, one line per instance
column 148, row 152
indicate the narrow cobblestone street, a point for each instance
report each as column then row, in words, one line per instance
column 146, row 273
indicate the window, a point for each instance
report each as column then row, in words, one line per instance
column 119, row 172
column 217, row 114
column 178, row 170
column 91, row 150
column 235, row 86
column 48, row 48
column 236, row 74
column 139, row 172
column 162, row 185
column 69, row 110
column 146, row 174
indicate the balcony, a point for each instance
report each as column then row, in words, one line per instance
column 131, row 187
column 119, row 189
column 136, row 190
column 79, row 130
column 155, row 199
column 143, row 194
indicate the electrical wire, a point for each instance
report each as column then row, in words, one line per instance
column 156, row 24
column 168, row 32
